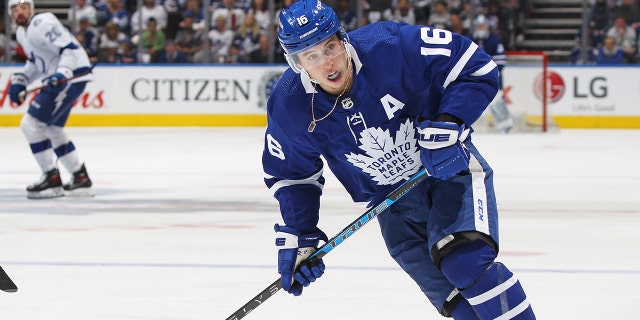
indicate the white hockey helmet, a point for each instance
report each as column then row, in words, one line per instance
column 12, row 3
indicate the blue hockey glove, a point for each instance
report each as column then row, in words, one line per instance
column 295, row 248
column 442, row 152
column 56, row 82
column 18, row 86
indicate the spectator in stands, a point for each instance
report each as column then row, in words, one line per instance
column 467, row 15
column 610, row 53
column 117, row 14
column 3, row 39
column 630, row 11
column 235, row 56
column 403, row 12
column 174, row 10
column 509, row 21
column 188, row 40
column 260, row 54
column 148, row 10
column 87, row 35
column 492, row 12
column 346, row 15
column 234, row 15
column 456, row 25
column 194, row 9
column 421, row 9
column 152, row 39
column 102, row 11
column 220, row 40
column 625, row 37
column 260, row 13
column 109, row 42
column 248, row 34
column 81, row 9
column 93, row 55
column 127, row 53
column 576, row 56
column 377, row 10
column 440, row 16
column 600, row 19
column 170, row 54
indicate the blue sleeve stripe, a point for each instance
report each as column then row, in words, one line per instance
column 462, row 62
column 314, row 180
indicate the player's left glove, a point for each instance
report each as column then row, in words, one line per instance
column 18, row 86
column 295, row 247
column 442, row 151
column 58, row 81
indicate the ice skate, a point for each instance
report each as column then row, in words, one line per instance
column 80, row 184
column 49, row 186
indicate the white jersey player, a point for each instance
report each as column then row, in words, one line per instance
column 57, row 59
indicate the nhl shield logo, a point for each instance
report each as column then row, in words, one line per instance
column 347, row 103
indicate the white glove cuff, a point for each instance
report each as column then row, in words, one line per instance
column 19, row 78
column 68, row 73
column 285, row 240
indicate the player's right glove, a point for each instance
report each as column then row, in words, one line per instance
column 18, row 85
column 442, row 151
column 58, row 81
column 295, row 248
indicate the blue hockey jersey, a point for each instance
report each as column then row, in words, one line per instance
column 369, row 142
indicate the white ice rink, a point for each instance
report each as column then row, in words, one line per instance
column 182, row 228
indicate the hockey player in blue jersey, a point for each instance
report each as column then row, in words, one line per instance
column 378, row 105
column 492, row 45
column 55, row 56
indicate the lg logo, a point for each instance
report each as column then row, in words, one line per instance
column 555, row 86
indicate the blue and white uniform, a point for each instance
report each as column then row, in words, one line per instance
column 51, row 49
column 368, row 137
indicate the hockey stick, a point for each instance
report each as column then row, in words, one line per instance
column 335, row 241
column 6, row 284
column 42, row 86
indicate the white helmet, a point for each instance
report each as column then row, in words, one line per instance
column 12, row 3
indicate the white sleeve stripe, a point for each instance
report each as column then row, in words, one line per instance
column 455, row 72
column 494, row 292
column 486, row 69
column 515, row 311
column 313, row 180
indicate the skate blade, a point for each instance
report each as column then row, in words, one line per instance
column 46, row 194
column 80, row 192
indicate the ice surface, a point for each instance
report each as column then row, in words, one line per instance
column 182, row 228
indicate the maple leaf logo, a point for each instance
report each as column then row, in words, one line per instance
column 385, row 159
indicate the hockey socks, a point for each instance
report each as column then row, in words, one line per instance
column 490, row 288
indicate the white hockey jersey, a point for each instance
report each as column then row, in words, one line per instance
column 50, row 46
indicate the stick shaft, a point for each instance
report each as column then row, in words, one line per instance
column 335, row 241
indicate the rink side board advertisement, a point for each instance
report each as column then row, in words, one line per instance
column 215, row 95
column 160, row 95
column 577, row 97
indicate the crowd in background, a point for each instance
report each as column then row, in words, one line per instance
column 244, row 31
column 613, row 34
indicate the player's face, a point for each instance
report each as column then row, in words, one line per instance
column 21, row 13
column 327, row 63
